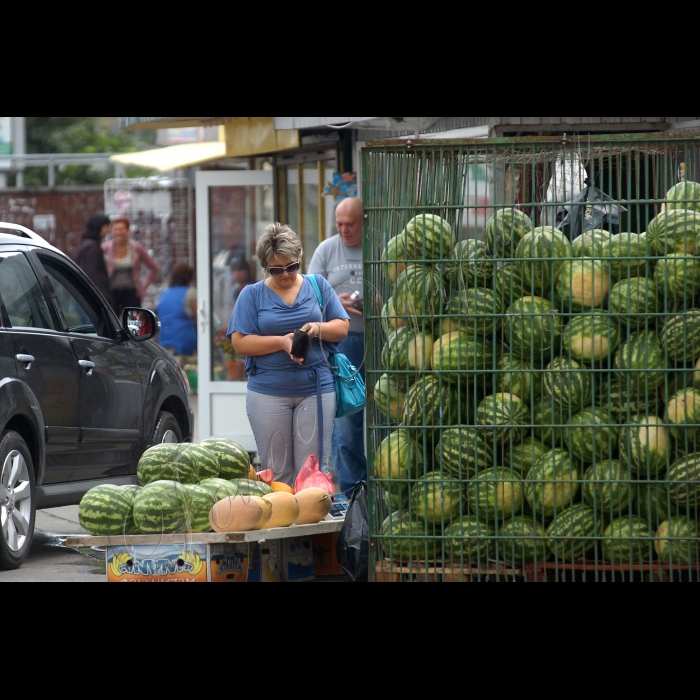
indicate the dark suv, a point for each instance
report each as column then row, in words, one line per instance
column 82, row 393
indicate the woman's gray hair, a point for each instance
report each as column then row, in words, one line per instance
column 279, row 241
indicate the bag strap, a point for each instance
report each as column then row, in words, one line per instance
column 314, row 283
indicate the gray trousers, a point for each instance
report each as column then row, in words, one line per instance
column 286, row 432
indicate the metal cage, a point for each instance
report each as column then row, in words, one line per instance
column 533, row 345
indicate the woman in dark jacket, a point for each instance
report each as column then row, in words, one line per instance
column 90, row 257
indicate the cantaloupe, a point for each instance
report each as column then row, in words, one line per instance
column 266, row 516
column 237, row 514
column 315, row 505
column 285, row 510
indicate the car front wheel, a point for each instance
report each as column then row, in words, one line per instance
column 17, row 501
column 167, row 429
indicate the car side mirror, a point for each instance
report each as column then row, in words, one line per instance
column 140, row 325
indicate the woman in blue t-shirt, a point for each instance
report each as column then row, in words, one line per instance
column 283, row 390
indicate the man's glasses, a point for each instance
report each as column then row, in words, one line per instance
column 290, row 269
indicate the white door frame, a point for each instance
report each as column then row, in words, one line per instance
column 209, row 391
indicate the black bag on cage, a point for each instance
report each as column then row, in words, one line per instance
column 354, row 542
column 591, row 210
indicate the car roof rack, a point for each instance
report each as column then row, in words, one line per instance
column 21, row 231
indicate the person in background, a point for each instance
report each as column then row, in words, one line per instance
column 284, row 392
column 339, row 260
column 125, row 262
column 176, row 311
column 240, row 277
column 89, row 256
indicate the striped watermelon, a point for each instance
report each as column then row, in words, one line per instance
column 462, row 452
column 430, row 403
column 572, row 536
column 624, row 399
column 583, row 285
column 593, row 435
column 510, row 285
column 505, row 416
column 397, row 498
column 568, row 385
column 395, row 257
column 681, row 337
column 477, row 310
column 524, row 542
column 469, row 540
column 161, row 463
column 202, row 459
column 391, row 321
column 408, row 351
column 642, row 362
column 405, row 539
column 677, row 277
column 592, row 338
column 438, row 500
column 201, row 502
column 162, row 508
column 674, row 231
column 628, row 540
column 473, row 266
column 553, row 484
column 220, row 489
column 652, row 503
column 108, row 511
column 389, row 398
column 684, row 477
column 685, row 195
column 533, row 328
column 607, row 488
column 676, row 382
column 430, row 237
column 521, row 458
column 678, row 541
column 495, row 496
column 541, row 255
column 457, row 352
column 683, row 415
column 419, row 291
column 591, row 244
column 516, row 376
column 645, row 446
column 234, row 459
column 634, row 302
column 550, row 423
column 246, row 487
column 504, row 231
column 398, row 459
column 626, row 255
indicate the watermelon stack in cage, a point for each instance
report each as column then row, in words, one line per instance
column 556, row 421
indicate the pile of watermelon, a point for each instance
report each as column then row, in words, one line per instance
column 179, row 486
column 539, row 399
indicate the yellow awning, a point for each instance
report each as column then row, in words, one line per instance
column 174, row 157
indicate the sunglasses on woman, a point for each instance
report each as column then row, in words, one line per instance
column 290, row 269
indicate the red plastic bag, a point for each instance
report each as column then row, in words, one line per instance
column 311, row 477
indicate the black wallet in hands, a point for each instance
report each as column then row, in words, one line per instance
column 301, row 344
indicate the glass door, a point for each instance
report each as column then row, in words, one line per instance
column 233, row 210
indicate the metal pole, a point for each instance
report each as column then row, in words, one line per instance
column 20, row 149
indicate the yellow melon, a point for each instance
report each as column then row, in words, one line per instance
column 237, row 514
column 315, row 505
column 266, row 516
column 285, row 509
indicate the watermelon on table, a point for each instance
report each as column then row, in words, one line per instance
column 678, row 541
column 398, row 459
column 202, row 459
column 505, row 416
column 681, row 337
column 635, row 302
column 607, row 487
column 572, row 535
column 405, row 539
column 645, row 446
column 430, row 237
column 591, row 244
column 220, row 489
column 568, row 385
column 519, row 377
column 495, row 495
column 477, row 310
column 629, row 540
column 593, row 435
column 108, row 511
column 247, row 487
column 504, row 231
column 583, row 285
column 642, row 362
column 408, row 351
column 674, row 231
column 592, row 338
column 161, row 463
column 438, row 500
column 627, row 255
column 523, row 541
column 520, row 458
column 685, row 195
column 473, row 266
column 162, row 508
column 469, row 540
column 541, row 255
column 234, row 459
column 684, row 480
column 389, row 397
column 533, row 328
column 419, row 291
column 462, row 452
column 652, row 503
column 683, row 417
column 201, row 502
column 550, row 423
column 395, row 258
column 510, row 285
column 553, row 484
column 677, row 278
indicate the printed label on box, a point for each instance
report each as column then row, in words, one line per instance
column 265, row 562
column 229, row 563
column 164, row 564
column 298, row 560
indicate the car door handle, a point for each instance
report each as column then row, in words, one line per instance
column 87, row 366
column 25, row 360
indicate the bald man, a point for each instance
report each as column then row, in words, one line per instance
column 339, row 260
